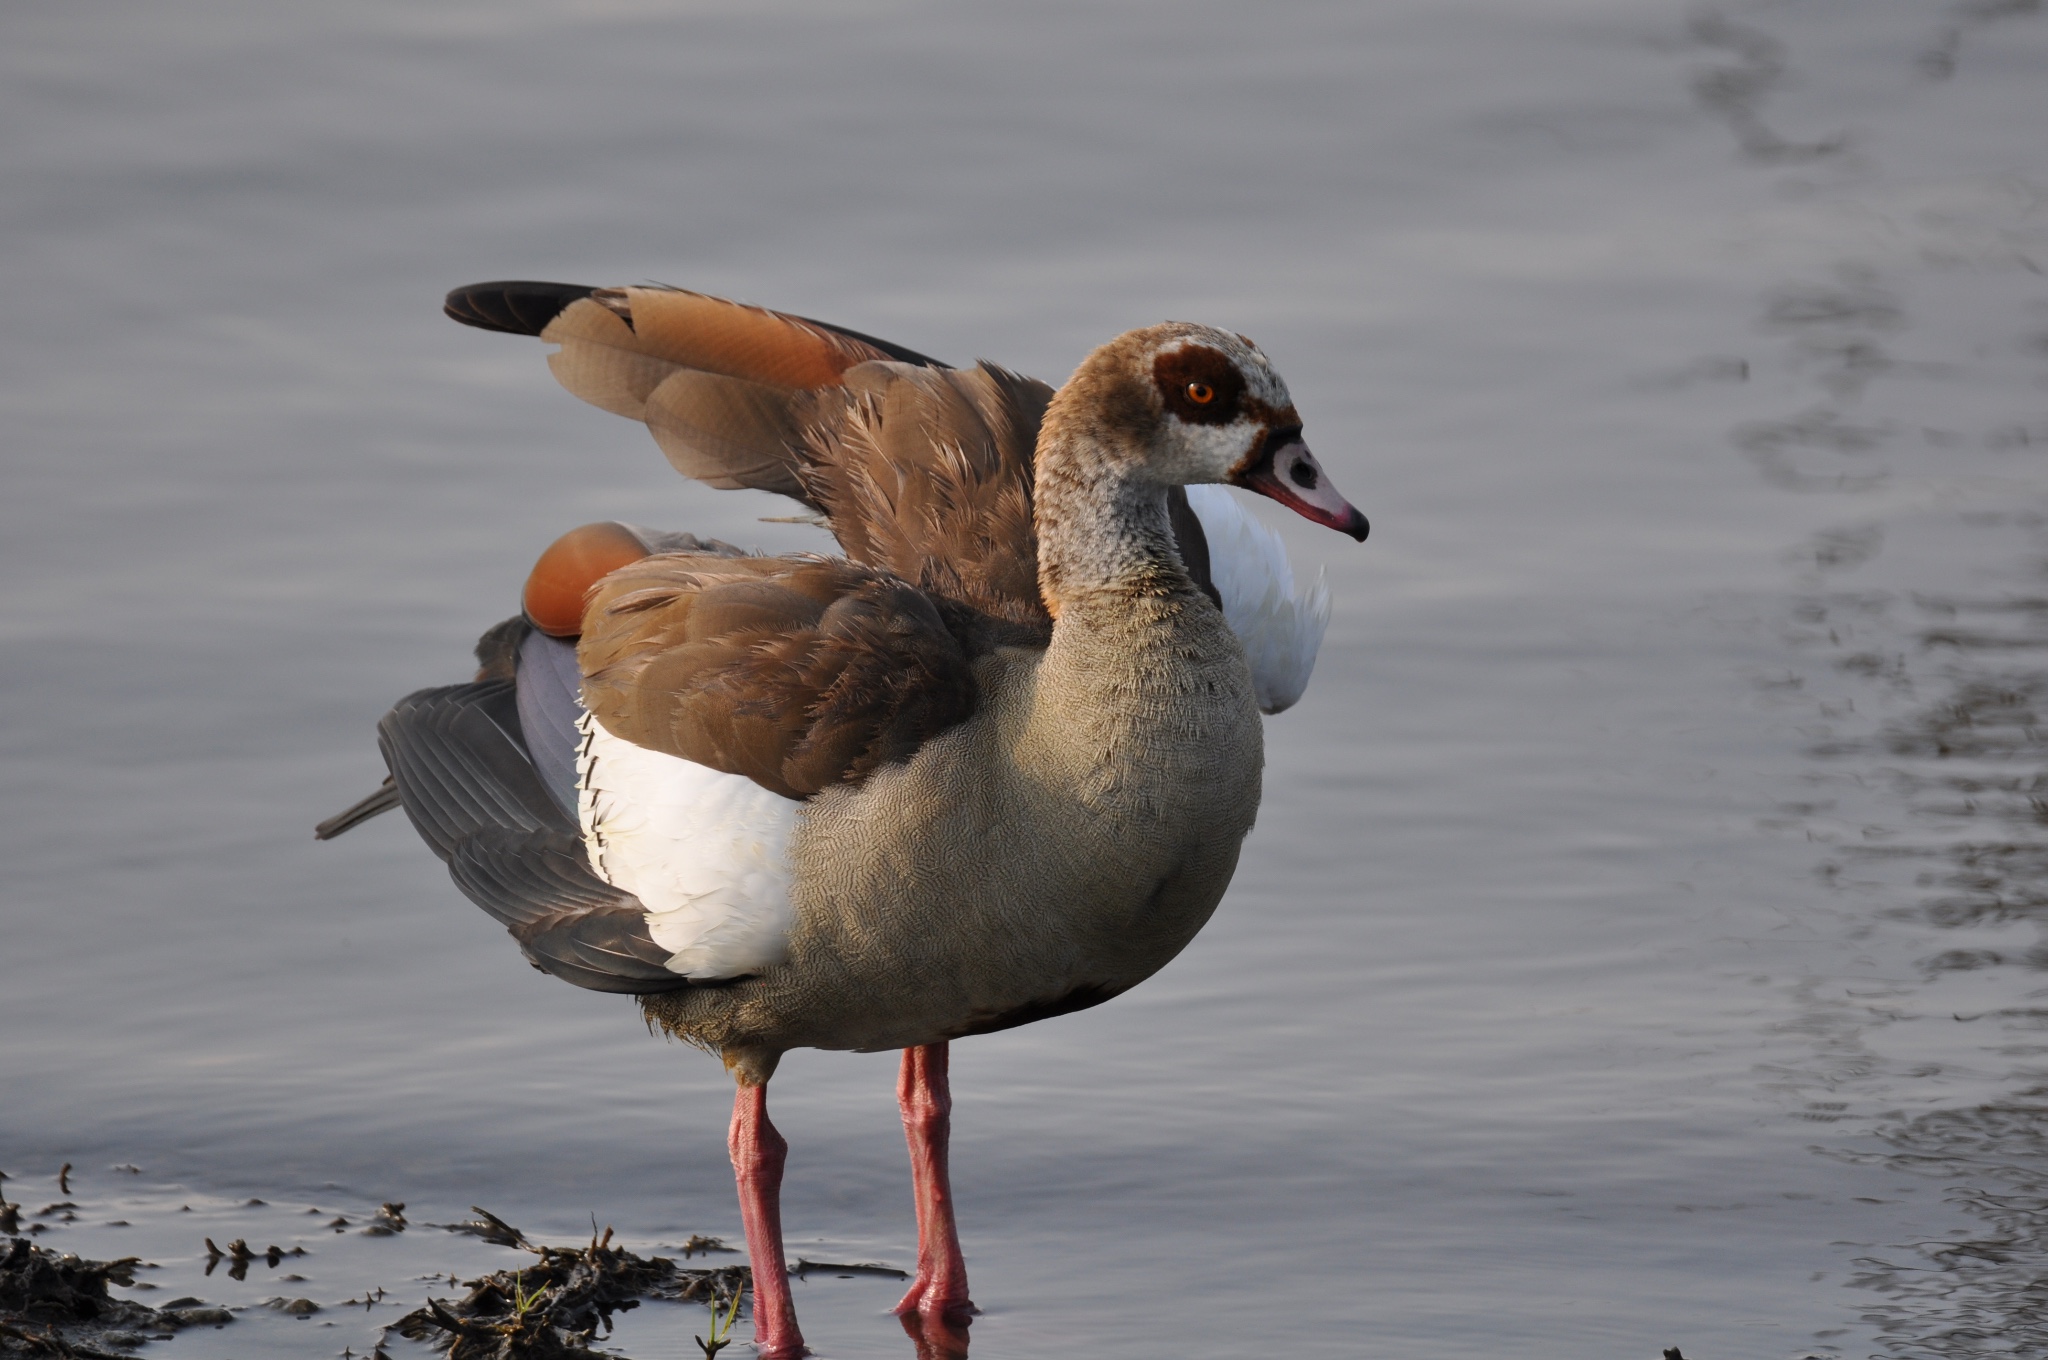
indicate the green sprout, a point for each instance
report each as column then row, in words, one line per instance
column 523, row 1302
column 721, row 1332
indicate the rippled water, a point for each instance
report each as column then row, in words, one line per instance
column 1639, row 944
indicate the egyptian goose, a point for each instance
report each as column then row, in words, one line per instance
column 993, row 765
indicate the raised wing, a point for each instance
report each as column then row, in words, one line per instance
column 921, row 470
column 927, row 473
column 724, row 387
column 797, row 673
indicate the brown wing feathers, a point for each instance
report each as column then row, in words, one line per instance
column 726, row 389
column 926, row 473
column 798, row 674
column 525, row 307
column 717, row 336
column 923, row 471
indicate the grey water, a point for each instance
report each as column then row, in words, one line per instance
column 1640, row 944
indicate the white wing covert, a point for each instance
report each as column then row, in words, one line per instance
column 707, row 853
column 1280, row 626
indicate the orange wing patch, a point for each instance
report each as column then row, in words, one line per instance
column 718, row 336
column 570, row 566
column 619, row 344
column 560, row 583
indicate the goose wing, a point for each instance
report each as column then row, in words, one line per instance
column 927, row 473
column 462, row 769
column 798, row 673
column 919, row 469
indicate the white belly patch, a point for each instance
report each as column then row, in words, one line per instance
column 707, row 853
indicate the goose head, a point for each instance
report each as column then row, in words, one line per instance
column 1181, row 404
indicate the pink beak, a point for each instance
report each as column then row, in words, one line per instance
column 1289, row 473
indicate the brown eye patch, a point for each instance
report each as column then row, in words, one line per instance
column 1199, row 385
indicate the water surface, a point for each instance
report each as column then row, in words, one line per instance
column 1638, row 946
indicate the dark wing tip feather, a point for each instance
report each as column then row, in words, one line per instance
column 566, row 920
column 464, row 777
column 514, row 306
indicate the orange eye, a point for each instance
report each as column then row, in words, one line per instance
column 1200, row 393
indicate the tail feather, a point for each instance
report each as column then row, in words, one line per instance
column 353, row 816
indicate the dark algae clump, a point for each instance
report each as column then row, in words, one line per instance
column 558, row 1305
column 56, row 1305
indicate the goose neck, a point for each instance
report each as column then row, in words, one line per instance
column 1104, row 536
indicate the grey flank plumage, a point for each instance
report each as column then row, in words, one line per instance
column 548, row 689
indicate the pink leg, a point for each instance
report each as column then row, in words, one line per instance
column 757, row 1156
column 939, row 1293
